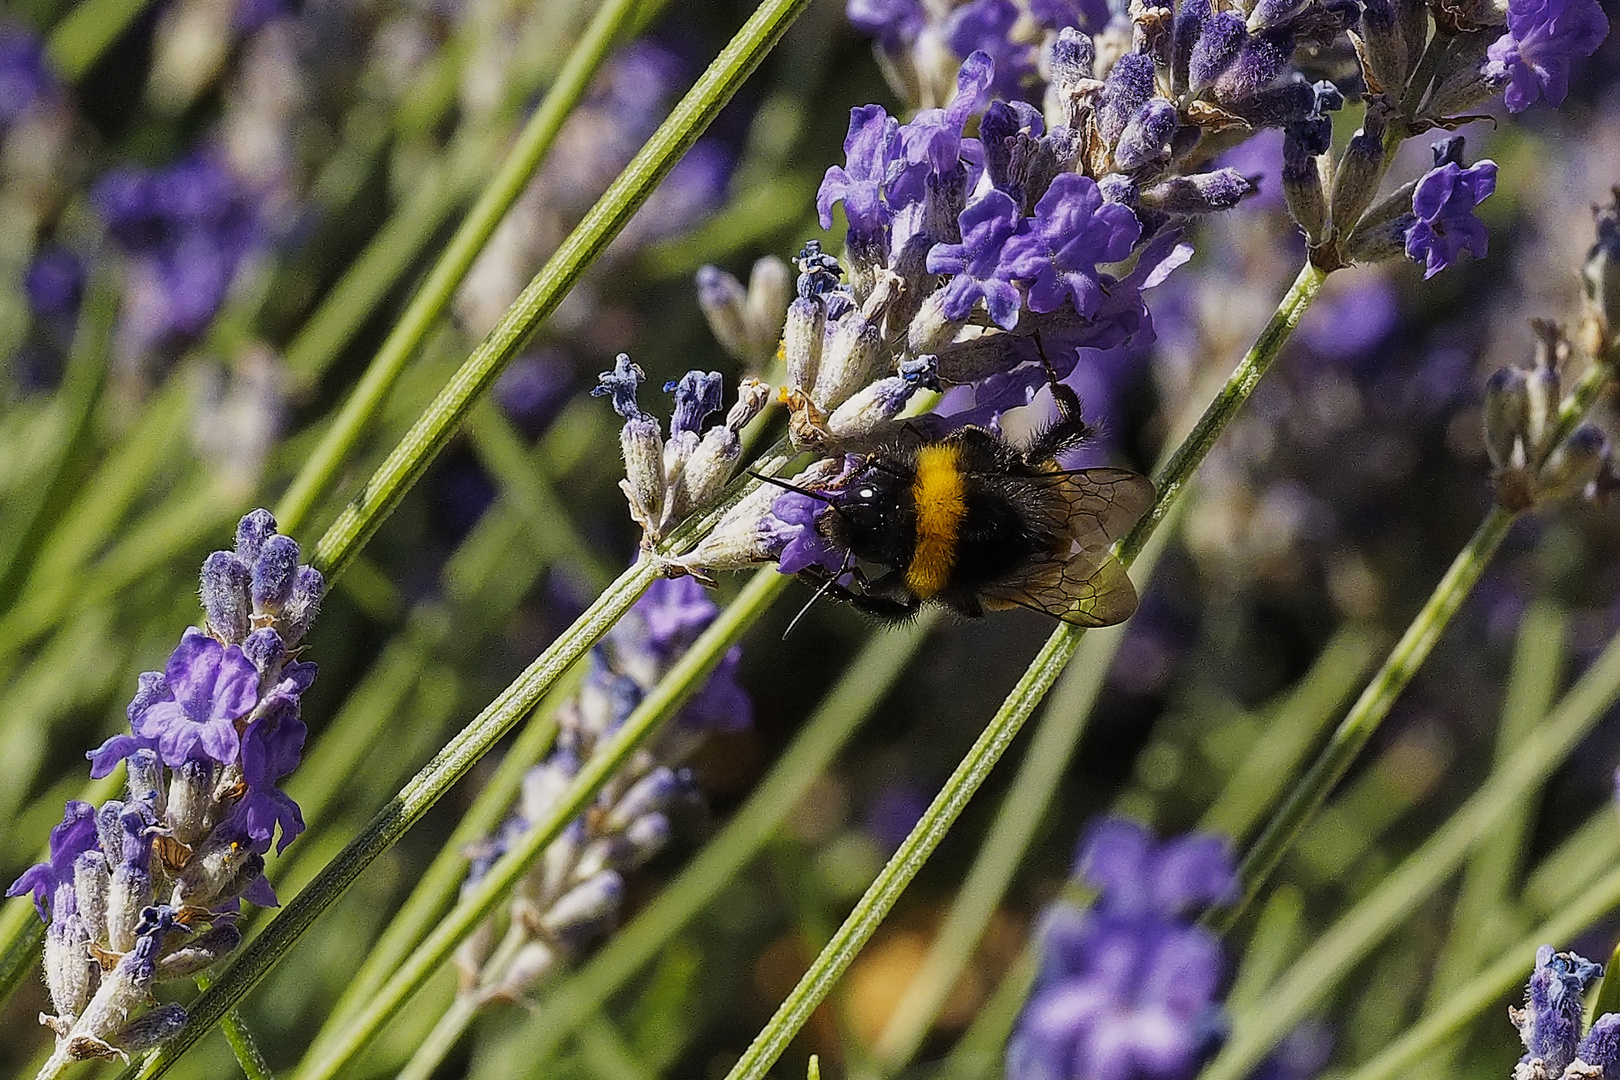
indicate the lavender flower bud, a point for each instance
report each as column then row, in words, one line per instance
column 130, row 888
column 273, row 574
column 1302, row 188
column 91, row 882
column 651, row 794
column 1507, row 418
column 769, row 288
column 221, row 869
column 743, row 536
column 200, row 952
column 110, row 830
column 1128, row 88
column 534, row 961
column 697, row 394
column 645, row 837
column 801, row 342
column 1465, row 80
column 191, row 797
column 145, row 781
column 1383, row 49
column 721, row 298
column 848, row 358
column 265, row 650
column 150, row 1028
column 642, row 443
column 251, row 533
column 1601, row 280
column 225, row 598
column 880, row 402
column 1600, row 1049
column 1200, row 193
column 1146, row 139
column 67, row 960
column 1217, row 47
column 123, row 990
column 298, row 614
column 585, row 910
column 1571, row 469
column 1550, row 1022
column 1359, row 172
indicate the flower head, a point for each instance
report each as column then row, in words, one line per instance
column 1543, row 38
column 74, row 836
column 1444, row 202
column 1073, row 230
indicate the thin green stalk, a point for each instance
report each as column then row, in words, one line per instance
column 78, row 41
column 1461, row 1005
column 388, row 485
column 243, row 1046
column 82, row 382
column 1397, row 671
column 1020, row 817
column 435, row 890
column 858, row 691
column 683, row 679
column 892, row 880
column 435, row 293
column 1421, row 874
column 438, row 776
column 441, row 1040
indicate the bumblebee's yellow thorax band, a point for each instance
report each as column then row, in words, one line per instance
column 938, row 495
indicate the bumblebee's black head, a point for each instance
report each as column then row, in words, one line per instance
column 873, row 514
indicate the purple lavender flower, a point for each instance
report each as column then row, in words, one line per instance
column 796, row 540
column 977, row 263
column 1543, row 38
column 25, row 75
column 1550, row 1022
column 1073, row 230
column 208, row 687
column 1127, row 990
column 869, row 163
column 895, row 23
column 1444, row 202
column 986, row 26
column 534, row 388
column 75, row 835
column 55, row 283
column 932, row 144
column 271, row 748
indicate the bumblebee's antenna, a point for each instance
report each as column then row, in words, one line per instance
column 796, row 489
column 849, row 557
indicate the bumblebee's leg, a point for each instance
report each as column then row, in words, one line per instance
column 1070, row 429
column 879, row 598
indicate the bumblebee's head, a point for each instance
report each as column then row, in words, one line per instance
column 872, row 514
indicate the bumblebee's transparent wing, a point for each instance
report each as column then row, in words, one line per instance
column 1090, row 589
column 1104, row 503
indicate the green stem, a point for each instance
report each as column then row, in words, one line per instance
column 78, row 41
column 1463, row 1004
column 441, row 1040
column 1397, row 671
column 683, row 679
column 1391, row 904
column 857, row 693
column 892, row 880
column 246, row 1051
column 434, row 296
column 414, row 800
column 388, row 485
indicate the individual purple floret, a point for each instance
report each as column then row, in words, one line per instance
column 1444, row 202
column 1073, row 230
column 1543, row 38
column 211, row 737
column 978, row 267
column 1128, row 989
column 575, row 892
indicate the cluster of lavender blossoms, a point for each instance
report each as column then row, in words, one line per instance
column 574, row 893
column 147, row 888
column 1554, row 1013
column 1128, row 988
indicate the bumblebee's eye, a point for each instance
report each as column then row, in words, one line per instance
column 866, row 494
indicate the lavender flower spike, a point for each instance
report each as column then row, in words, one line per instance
column 211, row 737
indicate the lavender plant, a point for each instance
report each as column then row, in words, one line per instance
column 1035, row 220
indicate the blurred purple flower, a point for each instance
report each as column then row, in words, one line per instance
column 533, row 390
column 986, row 26
column 1347, row 322
column 55, row 283
column 1543, row 37
column 895, row 23
column 25, row 74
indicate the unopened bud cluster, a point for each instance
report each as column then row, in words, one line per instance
column 1551, row 1021
column 1530, row 462
column 574, row 892
column 147, row 888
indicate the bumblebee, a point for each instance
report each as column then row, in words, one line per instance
column 974, row 523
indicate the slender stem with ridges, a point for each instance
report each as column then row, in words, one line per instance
column 431, row 300
column 388, row 485
column 1392, row 678
column 942, row 813
column 682, row 680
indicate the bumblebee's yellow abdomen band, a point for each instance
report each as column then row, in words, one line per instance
column 938, row 495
